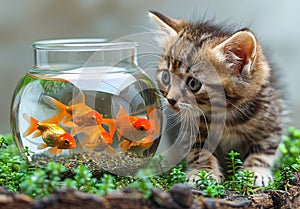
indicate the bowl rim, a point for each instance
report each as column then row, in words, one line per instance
column 81, row 44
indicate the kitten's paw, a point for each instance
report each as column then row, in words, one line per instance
column 192, row 177
column 263, row 176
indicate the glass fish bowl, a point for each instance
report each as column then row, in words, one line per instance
column 87, row 102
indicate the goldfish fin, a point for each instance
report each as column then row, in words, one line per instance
column 155, row 122
column 91, row 138
column 111, row 125
column 33, row 123
column 55, row 104
column 42, row 146
column 125, row 145
column 37, row 134
column 53, row 120
column 73, row 127
column 121, row 112
column 119, row 136
column 79, row 129
column 124, row 118
column 79, row 99
column 53, row 151
column 122, row 115
column 67, row 118
column 58, row 151
column 150, row 109
column 145, row 145
column 110, row 150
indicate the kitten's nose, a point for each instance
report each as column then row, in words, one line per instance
column 172, row 101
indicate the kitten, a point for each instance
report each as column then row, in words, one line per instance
column 223, row 77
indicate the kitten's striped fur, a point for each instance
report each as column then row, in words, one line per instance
column 224, row 77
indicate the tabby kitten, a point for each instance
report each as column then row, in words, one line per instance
column 223, row 77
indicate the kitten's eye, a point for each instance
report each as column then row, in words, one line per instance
column 194, row 84
column 165, row 77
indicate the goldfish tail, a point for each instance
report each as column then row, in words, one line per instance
column 55, row 104
column 33, row 123
column 79, row 99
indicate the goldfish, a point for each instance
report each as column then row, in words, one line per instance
column 96, row 133
column 132, row 128
column 97, row 139
column 53, row 135
column 81, row 114
column 146, row 142
column 136, row 131
column 78, row 116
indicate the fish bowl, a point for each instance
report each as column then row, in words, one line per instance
column 87, row 102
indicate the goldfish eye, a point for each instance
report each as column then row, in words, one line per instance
column 93, row 119
column 142, row 128
column 66, row 142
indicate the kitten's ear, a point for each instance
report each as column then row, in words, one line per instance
column 168, row 26
column 239, row 51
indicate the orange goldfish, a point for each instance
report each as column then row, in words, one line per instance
column 146, row 142
column 132, row 128
column 136, row 131
column 53, row 135
column 94, row 133
column 78, row 116
column 97, row 139
column 77, row 110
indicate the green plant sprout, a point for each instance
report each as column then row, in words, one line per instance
column 233, row 164
column 144, row 186
column 238, row 180
column 106, row 184
column 177, row 175
column 209, row 185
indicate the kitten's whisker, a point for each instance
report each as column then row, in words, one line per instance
column 244, row 114
column 145, row 27
column 189, row 127
column 204, row 116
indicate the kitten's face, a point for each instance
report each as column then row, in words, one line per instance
column 206, row 67
column 186, row 76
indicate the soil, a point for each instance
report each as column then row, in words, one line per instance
column 180, row 196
